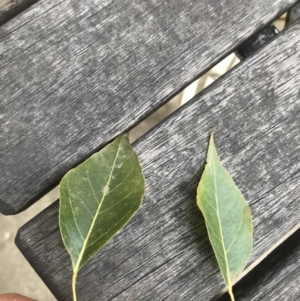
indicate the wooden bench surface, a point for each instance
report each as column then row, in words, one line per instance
column 75, row 74
column 164, row 250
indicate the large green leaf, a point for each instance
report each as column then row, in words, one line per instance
column 97, row 198
column 227, row 217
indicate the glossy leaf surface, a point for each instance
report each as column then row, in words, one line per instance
column 98, row 198
column 227, row 217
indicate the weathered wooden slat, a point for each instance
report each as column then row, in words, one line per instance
column 74, row 74
column 163, row 253
column 277, row 278
column 10, row 8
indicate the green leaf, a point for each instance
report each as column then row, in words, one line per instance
column 97, row 198
column 227, row 217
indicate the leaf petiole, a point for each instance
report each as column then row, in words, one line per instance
column 74, row 277
column 231, row 294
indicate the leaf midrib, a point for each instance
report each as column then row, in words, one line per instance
column 76, row 268
column 220, row 222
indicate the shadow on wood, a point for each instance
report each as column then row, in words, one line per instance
column 10, row 8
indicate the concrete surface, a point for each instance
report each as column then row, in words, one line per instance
column 16, row 273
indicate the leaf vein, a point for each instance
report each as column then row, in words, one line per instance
column 73, row 213
column 98, row 209
column 101, row 211
column 220, row 222
column 125, row 216
column 240, row 227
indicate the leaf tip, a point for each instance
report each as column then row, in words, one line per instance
column 212, row 152
column 211, row 140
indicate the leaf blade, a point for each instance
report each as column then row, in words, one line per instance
column 98, row 198
column 227, row 217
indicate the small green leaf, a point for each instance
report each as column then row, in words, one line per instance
column 97, row 198
column 227, row 217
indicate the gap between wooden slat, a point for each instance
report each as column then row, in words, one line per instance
column 199, row 85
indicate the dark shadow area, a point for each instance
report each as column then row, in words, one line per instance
column 267, row 33
column 256, row 41
column 11, row 8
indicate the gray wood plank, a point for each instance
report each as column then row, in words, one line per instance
column 10, row 8
column 277, row 278
column 75, row 74
column 163, row 253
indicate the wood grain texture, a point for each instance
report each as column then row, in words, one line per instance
column 277, row 278
column 10, row 8
column 75, row 74
column 164, row 253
